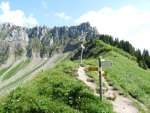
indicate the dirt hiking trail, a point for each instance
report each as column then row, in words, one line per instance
column 120, row 104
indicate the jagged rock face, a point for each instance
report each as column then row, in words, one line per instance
column 11, row 32
column 48, row 37
column 4, row 47
column 39, row 32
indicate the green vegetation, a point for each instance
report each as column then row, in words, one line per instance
column 143, row 58
column 54, row 91
column 99, row 47
column 125, row 74
column 57, row 90
column 15, row 69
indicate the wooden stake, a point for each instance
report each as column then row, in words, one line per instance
column 100, row 78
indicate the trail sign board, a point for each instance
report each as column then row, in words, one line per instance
column 101, row 64
column 92, row 68
column 106, row 63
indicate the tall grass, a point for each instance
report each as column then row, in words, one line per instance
column 126, row 76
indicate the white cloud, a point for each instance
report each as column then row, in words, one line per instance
column 16, row 17
column 127, row 23
column 63, row 16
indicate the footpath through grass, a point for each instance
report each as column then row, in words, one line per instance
column 55, row 91
column 127, row 76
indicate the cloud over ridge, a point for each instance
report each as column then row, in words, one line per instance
column 127, row 23
column 16, row 17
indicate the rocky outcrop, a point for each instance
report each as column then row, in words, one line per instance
column 50, row 38
column 11, row 32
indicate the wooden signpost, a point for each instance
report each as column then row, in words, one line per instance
column 101, row 64
column 100, row 78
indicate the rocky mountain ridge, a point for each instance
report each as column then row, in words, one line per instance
column 41, row 39
column 11, row 32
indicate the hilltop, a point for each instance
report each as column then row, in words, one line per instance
column 125, row 75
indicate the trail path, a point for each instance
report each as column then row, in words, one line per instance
column 120, row 104
column 83, row 77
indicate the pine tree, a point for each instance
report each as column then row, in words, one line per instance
column 146, row 58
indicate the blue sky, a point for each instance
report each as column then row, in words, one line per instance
column 44, row 10
column 125, row 19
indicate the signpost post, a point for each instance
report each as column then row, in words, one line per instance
column 100, row 77
column 101, row 64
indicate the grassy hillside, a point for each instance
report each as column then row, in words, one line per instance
column 58, row 91
column 54, row 91
column 125, row 74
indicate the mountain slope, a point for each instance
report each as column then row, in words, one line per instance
column 56, row 90
column 130, row 77
column 27, row 73
column 125, row 74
